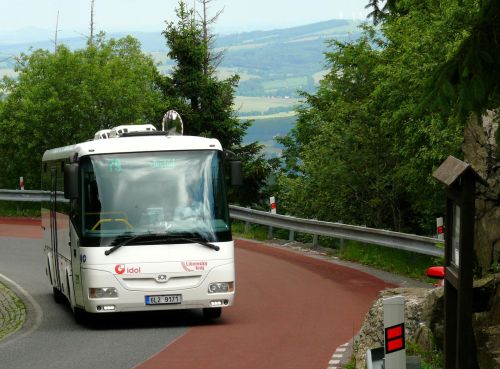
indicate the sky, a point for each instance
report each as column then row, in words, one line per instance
column 150, row 15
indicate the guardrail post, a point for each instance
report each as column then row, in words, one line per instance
column 315, row 241
column 270, row 233
column 291, row 235
column 247, row 227
column 342, row 244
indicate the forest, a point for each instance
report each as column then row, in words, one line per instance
column 386, row 115
column 393, row 104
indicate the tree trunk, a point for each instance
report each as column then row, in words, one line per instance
column 480, row 151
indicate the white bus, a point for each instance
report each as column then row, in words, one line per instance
column 139, row 222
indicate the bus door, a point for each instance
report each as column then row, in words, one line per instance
column 76, row 260
column 53, row 227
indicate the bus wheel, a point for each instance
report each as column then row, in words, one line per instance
column 212, row 313
column 81, row 316
column 59, row 297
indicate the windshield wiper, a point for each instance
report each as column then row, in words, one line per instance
column 124, row 243
column 195, row 237
column 156, row 237
column 203, row 243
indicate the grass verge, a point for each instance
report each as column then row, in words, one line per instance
column 19, row 209
column 401, row 262
column 396, row 261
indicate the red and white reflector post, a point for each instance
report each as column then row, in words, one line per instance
column 21, row 183
column 272, row 202
column 394, row 332
column 440, row 228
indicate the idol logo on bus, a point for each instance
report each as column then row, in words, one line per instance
column 121, row 269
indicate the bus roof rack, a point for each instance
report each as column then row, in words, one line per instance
column 123, row 129
column 144, row 133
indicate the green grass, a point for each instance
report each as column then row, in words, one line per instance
column 430, row 360
column 351, row 364
column 401, row 262
column 19, row 209
column 254, row 232
column 292, row 82
column 224, row 73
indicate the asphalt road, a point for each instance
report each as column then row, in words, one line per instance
column 59, row 342
column 291, row 312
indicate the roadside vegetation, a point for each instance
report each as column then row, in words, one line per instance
column 429, row 359
column 19, row 209
column 396, row 261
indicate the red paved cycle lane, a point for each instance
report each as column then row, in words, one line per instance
column 20, row 227
column 291, row 312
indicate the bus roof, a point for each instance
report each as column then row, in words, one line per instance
column 133, row 144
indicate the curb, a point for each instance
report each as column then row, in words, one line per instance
column 31, row 312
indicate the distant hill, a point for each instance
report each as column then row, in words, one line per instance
column 270, row 63
column 273, row 66
column 280, row 62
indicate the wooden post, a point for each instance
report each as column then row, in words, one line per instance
column 460, row 182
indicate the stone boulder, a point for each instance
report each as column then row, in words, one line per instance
column 486, row 321
column 371, row 334
column 424, row 321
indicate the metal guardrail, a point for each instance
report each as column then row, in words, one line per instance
column 402, row 241
column 24, row 195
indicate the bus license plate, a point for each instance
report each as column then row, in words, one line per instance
column 163, row 299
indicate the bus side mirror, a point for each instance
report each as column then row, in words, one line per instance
column 236, row 177
column 71, row 181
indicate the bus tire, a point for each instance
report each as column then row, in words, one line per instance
column 59, row 297
column 81, row 316
column 212, row 313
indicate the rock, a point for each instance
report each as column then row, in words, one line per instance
column 424, row 315
column 486, row 322
column 424, row 338
column 433, row 314
column 372, row 331
column 480, row 151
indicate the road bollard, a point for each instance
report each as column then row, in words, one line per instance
column 394, row 332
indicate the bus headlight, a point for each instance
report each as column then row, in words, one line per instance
column 102, row 293
column 221, row 287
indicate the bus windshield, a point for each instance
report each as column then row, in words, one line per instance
column 178, row 193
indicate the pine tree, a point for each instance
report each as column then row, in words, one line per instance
column 204, row 101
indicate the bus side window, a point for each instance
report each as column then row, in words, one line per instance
column 94, row 203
